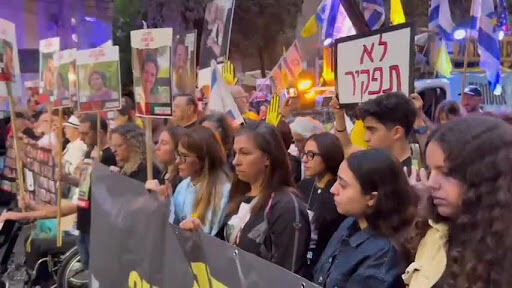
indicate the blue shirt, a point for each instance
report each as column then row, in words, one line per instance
column 358, row 258
column 182, row 206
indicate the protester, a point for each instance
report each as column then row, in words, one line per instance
column 446, row 111
column 75, row 151
column 43, row 129
column 185, row 110
column 129, row 147
column 220, row 125
column 472, row 99
column 367, row 249
column 200, row 200
column 322, row 158
column 295, row 164
column 266, row 216
column 89, row 135
column 33, row 108
column 388, row 121
column 302, row 129
column 472, row 196
column 127, row 113
column 165, row 153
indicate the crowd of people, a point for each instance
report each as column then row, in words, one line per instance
column 310, row 200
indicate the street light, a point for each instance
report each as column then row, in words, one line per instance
column 459, row 33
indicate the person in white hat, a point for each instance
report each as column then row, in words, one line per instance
column 75, row 151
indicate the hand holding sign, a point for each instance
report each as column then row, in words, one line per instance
column 273, row 116
column 228, row 73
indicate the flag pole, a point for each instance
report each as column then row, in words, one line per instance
column 59, row 183
column 465, row 70
column 19, row 166
column 98, row 138
column 149, row 144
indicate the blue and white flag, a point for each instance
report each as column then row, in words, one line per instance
column 488, row 42
column 440, row 18
column 334, row 20
column 374, row 13
column 476, row 11
column 221, row 99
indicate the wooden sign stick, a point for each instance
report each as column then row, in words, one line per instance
column 149, row 145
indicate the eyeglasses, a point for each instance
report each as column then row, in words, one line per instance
column 182, row 157
column 310, row 155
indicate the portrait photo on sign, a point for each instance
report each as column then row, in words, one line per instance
column 7, row 71
column 47, row 73
column 152, row 83
column 65, row 79
column 98, row 86
column 216, row 32
column 184, row 63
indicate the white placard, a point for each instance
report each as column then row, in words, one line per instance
column 375, row 64
column 151, row 38
column 99, row 79
column 65, row 78
column 47, row 48
column 9, row 63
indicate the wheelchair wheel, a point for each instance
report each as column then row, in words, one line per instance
column 71, row 272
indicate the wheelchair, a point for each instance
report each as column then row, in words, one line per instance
column 58, row 268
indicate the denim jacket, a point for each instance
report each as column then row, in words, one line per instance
column 358, row 258
column 182, row 206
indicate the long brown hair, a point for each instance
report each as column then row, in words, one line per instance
column 202, row 142
column 478, row 153
column 277, row 177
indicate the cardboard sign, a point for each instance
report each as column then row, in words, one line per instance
column 375, row 63
column 65, row 78
column 218, row 18
column 99, row 79
column 151, row 65
column 184, row 63
column 9, row 64
column 47, row 48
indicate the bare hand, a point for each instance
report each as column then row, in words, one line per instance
column 23, row 201
column 192, row 225
column 335, row 106
column 10, row 216
column 417, row 101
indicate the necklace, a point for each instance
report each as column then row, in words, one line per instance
column 319, row 190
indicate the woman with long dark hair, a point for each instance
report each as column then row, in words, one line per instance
column 221, row 127
column 266, row 216
column 200, row 199
column 368, row 250
column 470, row 160
column 322, row 157
column 165, row 153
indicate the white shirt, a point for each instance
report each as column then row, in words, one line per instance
column 73, row 154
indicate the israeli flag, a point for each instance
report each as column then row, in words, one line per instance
column 440, row 18
column 221, row 99
column 374, row 13
column 334, row 20
column 488, row 42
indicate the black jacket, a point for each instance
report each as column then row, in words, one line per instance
column 280, row 233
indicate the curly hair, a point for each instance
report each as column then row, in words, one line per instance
column 478, row 153
column 134, row 137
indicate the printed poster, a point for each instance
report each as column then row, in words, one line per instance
column 184, row 63
column 65, row 78
column 151, row 65
column 9, row 64
column 47, row 48
column 216, row 32
column 99, row 79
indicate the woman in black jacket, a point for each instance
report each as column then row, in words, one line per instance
column 265, row 214
column 322, row 157
column 268, row 218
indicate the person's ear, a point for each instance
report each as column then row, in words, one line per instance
column 397, row 132
column 371, row 199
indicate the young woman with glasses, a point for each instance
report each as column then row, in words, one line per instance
column 322, row 157
column 200, row 199
column 165, row 153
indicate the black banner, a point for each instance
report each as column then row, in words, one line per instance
column 133, row 245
